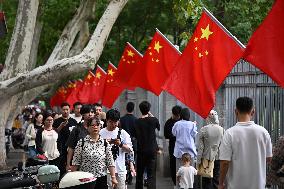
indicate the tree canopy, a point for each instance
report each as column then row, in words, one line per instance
column 138, row 20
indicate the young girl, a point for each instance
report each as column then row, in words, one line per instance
column 185, row 174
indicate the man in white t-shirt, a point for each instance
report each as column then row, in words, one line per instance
column 77, row 115
column 121, row 144
column 244, row 151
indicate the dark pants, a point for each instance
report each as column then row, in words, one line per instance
column 212, row 183
column 148, row 162
column 172, row 165
column 62, row 164
column 101, row 183
column 54, row 162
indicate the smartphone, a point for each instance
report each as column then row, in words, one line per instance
column 65, row 122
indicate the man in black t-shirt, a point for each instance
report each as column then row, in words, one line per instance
column 172, row 139
column 127, row 122
column 63, row 126
column 79, row 132
column 147, row 146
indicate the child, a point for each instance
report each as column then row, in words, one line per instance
column 185, row 174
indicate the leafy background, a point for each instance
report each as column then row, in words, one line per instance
column 137, row 22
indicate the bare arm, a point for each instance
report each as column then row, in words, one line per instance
column 112, row 174
column 69, row 157
column 268, row 160
column 223, row 172
column 178, row 179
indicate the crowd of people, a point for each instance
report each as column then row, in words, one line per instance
column 114, row 148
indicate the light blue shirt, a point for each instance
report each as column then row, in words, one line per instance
column 185, row 132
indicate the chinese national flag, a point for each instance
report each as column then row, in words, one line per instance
column 3, row 27
column 121, row 77
column 265, row 47
column 112, row 89
column 157, row 64
column 93, row 86
column 207, row 59
column 73, row 96
column 127, row 66
column 69, row 89
column 58, row 97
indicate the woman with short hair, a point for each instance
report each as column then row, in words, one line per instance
column 93, row 154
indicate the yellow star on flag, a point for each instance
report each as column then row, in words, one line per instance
column 98, row 75
column 89, row 76
column 157, row 46
column 110, row 72
column 195, row 39
column 130, row 53
column 205, row 32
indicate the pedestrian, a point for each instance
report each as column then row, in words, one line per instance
column 31, row 131
column 63, row 126
column 185, row 174
column 120, row 142
column 185, row 132
column 210, row 137
column 172, row 139
column 244, row 151
column 147, row 146
column 127, row 122
column 46, row 141
column 93, row 154
column 79, row 132
column 275, row 175
column 76, row 109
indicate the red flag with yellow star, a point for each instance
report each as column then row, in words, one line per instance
column 73, row 96
column 207, row 59
column 265, row 47
column 127, row 66
column 93, row 86
column 58, row 97
column 158, row 62
column 111, row 87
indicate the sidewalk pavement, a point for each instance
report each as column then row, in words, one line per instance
column 162, row 183
column 17, row 155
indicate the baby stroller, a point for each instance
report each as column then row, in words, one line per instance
column 78, row 180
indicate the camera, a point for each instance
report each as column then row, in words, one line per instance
column 114, row 149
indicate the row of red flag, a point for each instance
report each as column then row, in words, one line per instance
column 194, row 76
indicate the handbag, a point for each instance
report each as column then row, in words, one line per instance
column 205, row 168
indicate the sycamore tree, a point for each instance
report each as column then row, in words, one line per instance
column 75, row 51
column 40, row 59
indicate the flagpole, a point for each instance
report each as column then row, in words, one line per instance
column 168, row 40
column 112, row 64
column 225, row 29
column 134, row 49
column 101, row 69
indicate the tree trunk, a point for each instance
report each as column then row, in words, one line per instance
column 17, row 60
column 59, row 70
column 16, row 79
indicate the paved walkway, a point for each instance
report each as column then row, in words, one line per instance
column 17, row 155
column 162, row 183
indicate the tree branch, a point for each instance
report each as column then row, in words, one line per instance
column 65, row 67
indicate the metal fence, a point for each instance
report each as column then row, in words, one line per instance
column 244, row 80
